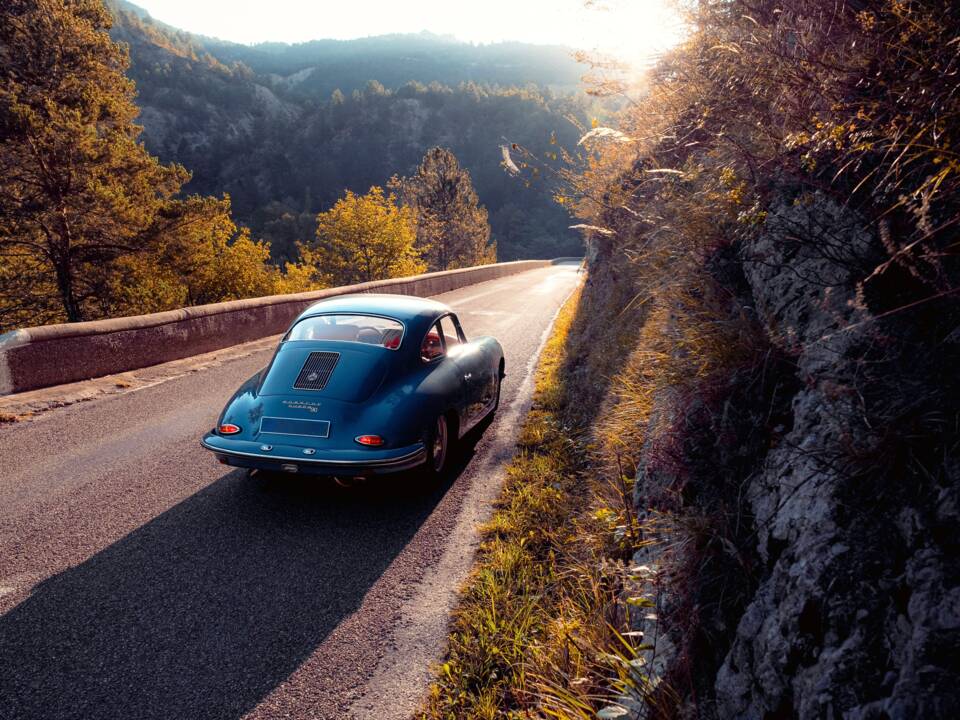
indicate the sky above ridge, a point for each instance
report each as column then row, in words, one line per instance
column 633, row 30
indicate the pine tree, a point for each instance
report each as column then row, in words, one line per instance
column 77, row 189
column 452, row 227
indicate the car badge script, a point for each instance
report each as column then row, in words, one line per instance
column 302, row 405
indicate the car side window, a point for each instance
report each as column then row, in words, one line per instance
column 450, row 335
column 432, row 347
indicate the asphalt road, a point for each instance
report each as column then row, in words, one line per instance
column 140, row 579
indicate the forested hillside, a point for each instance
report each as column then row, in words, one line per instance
column 285, row 129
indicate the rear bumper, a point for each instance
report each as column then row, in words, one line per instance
column 286, row 458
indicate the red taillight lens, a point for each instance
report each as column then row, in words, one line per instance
column 228, row 429
column 369, row 440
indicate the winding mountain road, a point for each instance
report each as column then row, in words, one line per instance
column 140, row 579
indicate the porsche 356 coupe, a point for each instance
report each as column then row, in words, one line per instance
column 362, row 385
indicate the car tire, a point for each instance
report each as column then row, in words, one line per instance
column 438, row 447
column 496, row 401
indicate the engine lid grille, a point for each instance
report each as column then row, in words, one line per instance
column 316, row 371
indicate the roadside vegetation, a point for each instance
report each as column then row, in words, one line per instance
column 548, row 624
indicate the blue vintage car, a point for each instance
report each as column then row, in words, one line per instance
column 362, row 385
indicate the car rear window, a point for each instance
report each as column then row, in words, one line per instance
column 349, row 328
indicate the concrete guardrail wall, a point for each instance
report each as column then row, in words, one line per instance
column 54, row 354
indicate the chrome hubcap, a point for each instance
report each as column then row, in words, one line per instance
column 440, row 443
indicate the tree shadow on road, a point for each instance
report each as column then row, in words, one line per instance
column 204, row 610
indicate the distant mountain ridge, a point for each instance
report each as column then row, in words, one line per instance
column 396, row 59
column 392, row 60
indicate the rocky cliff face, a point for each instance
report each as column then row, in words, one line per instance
column 847, row 559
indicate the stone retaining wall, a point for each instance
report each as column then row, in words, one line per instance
column 55, row 354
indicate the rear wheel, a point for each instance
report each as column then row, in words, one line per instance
column 438, row 446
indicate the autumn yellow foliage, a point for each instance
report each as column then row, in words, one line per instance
column 361, row 238
column 210, row 260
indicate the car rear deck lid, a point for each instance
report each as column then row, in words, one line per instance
column 324, row 371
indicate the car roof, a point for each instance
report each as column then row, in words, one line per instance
column 405, row 308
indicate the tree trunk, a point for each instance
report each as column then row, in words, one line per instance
column 65, row 285
column 63, row 264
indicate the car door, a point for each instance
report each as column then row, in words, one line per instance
column 457, row 354
column 446, row 370
column 485, row 373
column 472, row 368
